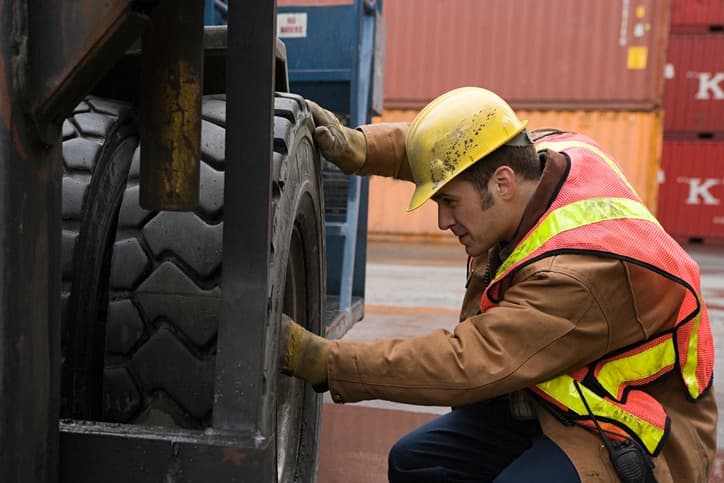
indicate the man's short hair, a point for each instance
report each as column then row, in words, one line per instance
column 522, row 159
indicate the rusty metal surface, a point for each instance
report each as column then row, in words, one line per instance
column 170, row 121
column 242, row 400
column 694, row 88
column 29, row 272
column 70, row 44
column 557, row 54
column 96, row 452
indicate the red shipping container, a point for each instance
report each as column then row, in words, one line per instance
column 696, row 15
column 557, row 54
column 691, row 193
column 694, row 89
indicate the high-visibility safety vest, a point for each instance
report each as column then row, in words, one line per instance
column 597, row 212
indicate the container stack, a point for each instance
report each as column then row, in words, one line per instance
column 691, row 194
column 591, row 67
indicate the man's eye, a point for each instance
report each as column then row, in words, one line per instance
column 444, row 201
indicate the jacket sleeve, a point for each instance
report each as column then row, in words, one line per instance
column 386, row 151
column 549, row 322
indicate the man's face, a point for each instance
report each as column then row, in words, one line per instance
column 478, row 220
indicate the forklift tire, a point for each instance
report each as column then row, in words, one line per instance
column 165, row 294
column 99, row 139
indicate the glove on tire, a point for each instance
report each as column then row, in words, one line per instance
column 303, row 354
column 343, row 146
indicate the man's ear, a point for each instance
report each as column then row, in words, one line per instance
column 503, row 182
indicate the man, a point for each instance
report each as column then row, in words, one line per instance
column 584, row 351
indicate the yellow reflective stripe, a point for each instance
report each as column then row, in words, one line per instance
column 692, row 360
column 636, row 367
column 563, row 145
column 574, row 215
column 563, row 389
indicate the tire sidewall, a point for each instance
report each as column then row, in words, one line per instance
column 300, row 182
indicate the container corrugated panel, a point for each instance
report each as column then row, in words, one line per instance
column 634, row 139
column 696, row 15
column 691, row 195
column 556, row 54
column 387, row 215
column 694, row 88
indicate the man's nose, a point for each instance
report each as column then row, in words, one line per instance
column 445, row 220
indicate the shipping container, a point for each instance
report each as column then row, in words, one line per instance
column 697, row 15
column 557, row 54
column 691, row 195
column 634, row 139
column 694, row 87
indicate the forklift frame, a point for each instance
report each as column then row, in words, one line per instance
column 51, row 54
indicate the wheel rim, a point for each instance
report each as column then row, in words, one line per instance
column 290, row 399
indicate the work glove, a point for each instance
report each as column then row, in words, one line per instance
column 343, row 146
column 303, row 354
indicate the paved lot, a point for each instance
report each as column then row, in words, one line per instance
column 412, row 289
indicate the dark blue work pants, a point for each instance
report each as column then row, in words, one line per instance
column 479, row 443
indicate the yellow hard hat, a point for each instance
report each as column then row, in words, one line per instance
column 453, row 132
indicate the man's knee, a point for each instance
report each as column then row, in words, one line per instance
column 410, row 461
column 544, row 462
column 402, row 455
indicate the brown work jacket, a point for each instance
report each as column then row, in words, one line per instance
column 556, row 314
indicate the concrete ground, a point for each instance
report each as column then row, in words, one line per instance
column 413, row 288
